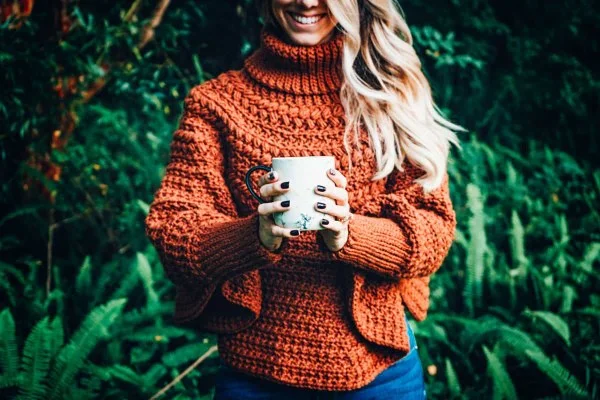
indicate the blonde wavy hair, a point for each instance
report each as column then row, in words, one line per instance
column 385, row 91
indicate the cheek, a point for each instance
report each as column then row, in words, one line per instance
column 328, row 32
column 279, row 12
column 331, row 22
column 280, row 5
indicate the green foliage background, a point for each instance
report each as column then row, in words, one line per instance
column 85, row 307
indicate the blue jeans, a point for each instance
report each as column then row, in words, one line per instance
column 402, row 380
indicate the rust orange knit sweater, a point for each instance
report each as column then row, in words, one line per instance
column 302, row 315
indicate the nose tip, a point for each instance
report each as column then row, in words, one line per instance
column 308, row 3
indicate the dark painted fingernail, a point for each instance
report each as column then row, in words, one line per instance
column 325, row 221
column 332, row 171
column 320, row 188
column 285, row 185
column 285, row 203
column 295, row 232
column 271, row 176
column 320, row 205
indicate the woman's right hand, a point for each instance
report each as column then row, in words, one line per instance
column 270, row 234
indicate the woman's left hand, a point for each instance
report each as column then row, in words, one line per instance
column 335, row 234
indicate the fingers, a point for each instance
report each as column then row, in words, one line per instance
column 333, row 210
column 266, row 209
column 340, row 195
column 277, row 230
column 274, row 189
column 268, row 178
column 273, row 229
column 337, row 178
column 268, row 187
column 334, row 226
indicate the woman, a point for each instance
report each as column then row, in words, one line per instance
column 320, row 314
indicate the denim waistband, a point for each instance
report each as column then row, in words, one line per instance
column 412, row 340
column 404, row 372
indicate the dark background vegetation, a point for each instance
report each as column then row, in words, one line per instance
column 91, row 92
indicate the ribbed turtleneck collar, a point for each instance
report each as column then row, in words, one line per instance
column 296, row 69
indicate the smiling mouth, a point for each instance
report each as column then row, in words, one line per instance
column 306, row 20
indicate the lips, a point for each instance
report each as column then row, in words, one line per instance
column 305, row 20
column 306, row 16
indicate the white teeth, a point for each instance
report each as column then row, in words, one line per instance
column 306, row 20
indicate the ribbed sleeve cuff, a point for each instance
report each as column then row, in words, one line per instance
column 375, row 244
column 230, row 249
column 234, row 247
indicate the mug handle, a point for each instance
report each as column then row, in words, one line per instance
column 249, row 184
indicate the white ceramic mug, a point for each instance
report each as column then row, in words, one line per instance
column 304, row 174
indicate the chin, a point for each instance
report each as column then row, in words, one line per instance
column 307, row 39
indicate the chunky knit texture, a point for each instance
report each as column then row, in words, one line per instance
column 301, row 315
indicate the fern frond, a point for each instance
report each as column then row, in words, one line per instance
column 142, row 315
column 9, row 354
column 154, row 375
column 36, row 362
column 556, row 323
column 491, row 330
column 591, row 311
column 83, row 282
column 127, row 284
column 520, row 261
column 185, row 354
column 592, row 253
column 542, row 289
column 477, row 249
column 452, row 378
column 56, row 336
column 561, row 246
column 104, row 282
column 10, row 291
column 503, row 386
column 460, row 238
column 120, row 372
column 511, row 175
column 72, row 357
column 567, row 383
column 11, row 270
column 88, row 388
column 517, row 341
column 569, row 294
column 145, row 272
column 145, row 207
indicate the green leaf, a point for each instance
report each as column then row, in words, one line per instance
column 477, row 250
column 555, row 322
column 120, row 372
column 567, row 383
column 452, row 378
column 143, row 268
column 503, row 386
column 72, row 357
column 143, row 206
column 9, row 355
column 35, row 363
column 56, row 336
column 185, row 354
column 83, row 282
column 517, row 245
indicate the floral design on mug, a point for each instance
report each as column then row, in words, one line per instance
column 278, row 217
column 303, row 222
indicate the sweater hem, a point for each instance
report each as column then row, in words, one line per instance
column 348, row 385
